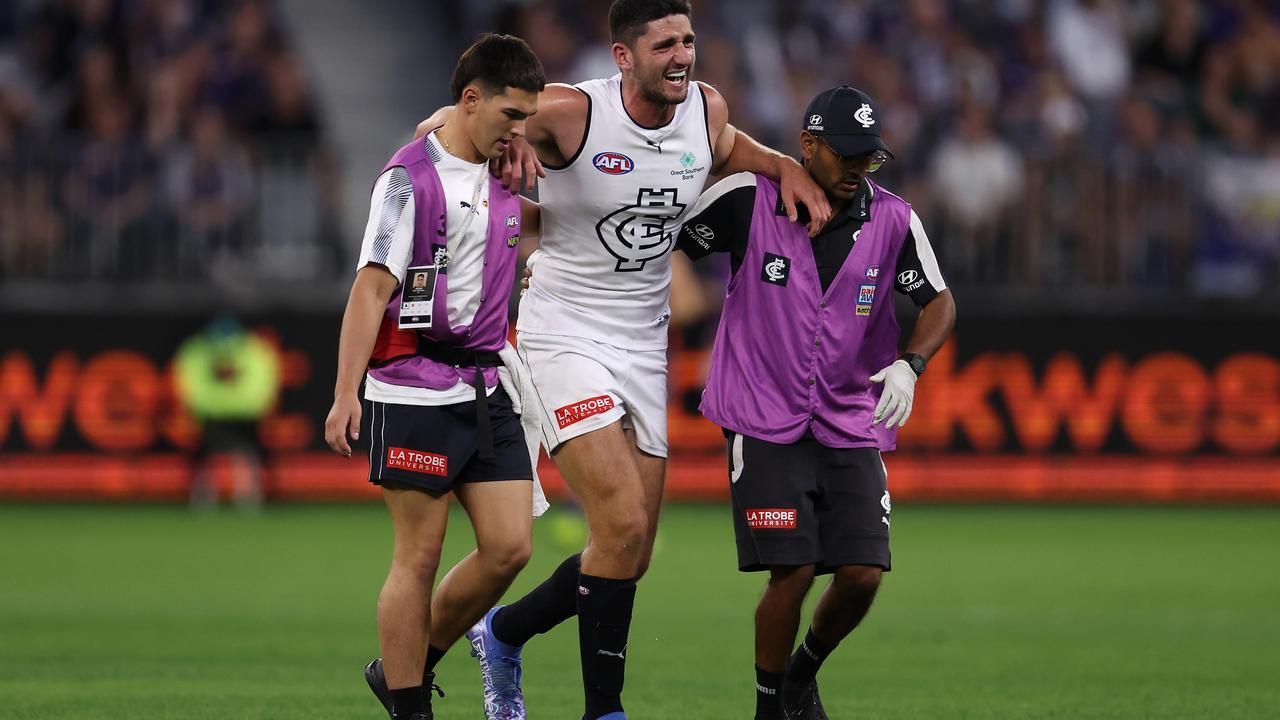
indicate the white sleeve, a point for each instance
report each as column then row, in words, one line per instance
column 924, row 251
column 388, row 236
column 720, row 189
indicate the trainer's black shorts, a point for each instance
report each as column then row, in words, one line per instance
column 807, row 504
column 435, row 447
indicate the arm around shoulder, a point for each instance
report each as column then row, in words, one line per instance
column 437, row 119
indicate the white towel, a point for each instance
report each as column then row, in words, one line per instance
column 518, row 383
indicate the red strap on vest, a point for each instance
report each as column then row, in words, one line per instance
column 393, row 342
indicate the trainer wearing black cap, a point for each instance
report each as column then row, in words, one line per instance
column 806, row 325
column 846, row 120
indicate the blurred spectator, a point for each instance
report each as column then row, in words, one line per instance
column 110, row 193
column 1153, row 199
column 237, row 74
column 290, row 112
column 1241, row 249
column 1174, row 56
column 976, row 178
column 1089, row 39
column 1240, row 92
column 209, row 185
column 31, row 231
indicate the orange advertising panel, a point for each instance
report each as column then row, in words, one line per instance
column 1141, row 409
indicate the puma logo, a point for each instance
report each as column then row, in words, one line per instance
column 620, row 655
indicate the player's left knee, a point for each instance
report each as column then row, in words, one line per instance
column 858, row 580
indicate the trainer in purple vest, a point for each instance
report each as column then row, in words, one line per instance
column 489, row 329
column 789, row 356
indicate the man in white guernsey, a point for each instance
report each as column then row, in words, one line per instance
column 427, row 315
column 625, row 159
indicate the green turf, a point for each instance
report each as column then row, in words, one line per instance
column 1006, row 612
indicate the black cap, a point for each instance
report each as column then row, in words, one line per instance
column 847, row 119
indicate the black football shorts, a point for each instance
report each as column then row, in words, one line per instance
column 435, row 447
column 807, row 504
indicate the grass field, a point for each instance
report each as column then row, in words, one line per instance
column 991, row 612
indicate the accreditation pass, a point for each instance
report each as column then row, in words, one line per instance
column 416, row 297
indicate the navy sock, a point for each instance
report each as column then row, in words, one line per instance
column 604, row 621
column 407, row 701
column 807, row 659
column 545, row 607
column 768, row 695
column 433, row 658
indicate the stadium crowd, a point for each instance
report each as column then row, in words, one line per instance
column 1082, row 144
column 1118, row 149
column 158, row 139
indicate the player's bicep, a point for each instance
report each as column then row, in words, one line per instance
column 917, row 274
column 722, row 134
column 723, row 148
column 720, row 218
column 558, row 127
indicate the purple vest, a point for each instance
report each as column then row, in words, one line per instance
column 489, row 329
column 789, row 356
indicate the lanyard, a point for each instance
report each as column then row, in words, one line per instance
column 475, row 206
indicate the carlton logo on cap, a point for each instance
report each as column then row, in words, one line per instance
column 864, row 116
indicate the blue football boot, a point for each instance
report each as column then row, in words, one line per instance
column 499, row 671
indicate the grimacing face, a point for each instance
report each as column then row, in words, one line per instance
column 499, row 117
column 662, row 60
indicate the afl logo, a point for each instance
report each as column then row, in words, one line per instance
column 613, row 163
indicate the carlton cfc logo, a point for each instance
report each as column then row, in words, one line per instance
column 613, row 163
column 641, row 232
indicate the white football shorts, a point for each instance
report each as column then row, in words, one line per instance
column 584, row 385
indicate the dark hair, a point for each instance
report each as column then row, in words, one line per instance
column 628, row 18
column 496, row 62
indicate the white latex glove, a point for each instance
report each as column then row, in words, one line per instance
column 899, row 392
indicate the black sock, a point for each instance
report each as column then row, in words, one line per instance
column 545, row 607
column 807, row 659
column 604, row 620
column 768, row 695
column 407, row 701
column 433, row 658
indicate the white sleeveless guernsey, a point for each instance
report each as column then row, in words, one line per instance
column 609, row 221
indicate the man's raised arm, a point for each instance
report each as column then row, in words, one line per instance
column 736, row 152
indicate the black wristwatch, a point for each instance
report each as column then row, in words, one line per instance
column 917, row 362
